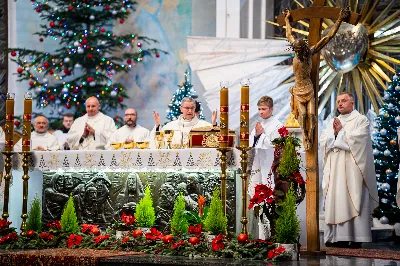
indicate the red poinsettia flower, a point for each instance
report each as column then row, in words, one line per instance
column 74, row 240
column 217, row 243
column 55, row 225
column 262, row 193
column 195, row 229
column 9, row 238
column 178, row 244
column 46, row 236
column 298, row 178
column 275, row 252
column 154, row 234
column 128, row 219
column 283, row 132
column 4, row 224
column 90, row 229
column 101, row 238
column 125, row 239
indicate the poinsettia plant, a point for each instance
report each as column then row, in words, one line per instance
column 126, row 223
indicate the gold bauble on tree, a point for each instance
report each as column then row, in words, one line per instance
column 392, row 142
column 386, row 115
column 388, row 171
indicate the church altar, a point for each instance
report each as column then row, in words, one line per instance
column 104, row 183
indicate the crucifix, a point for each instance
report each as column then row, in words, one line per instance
column 305, row 96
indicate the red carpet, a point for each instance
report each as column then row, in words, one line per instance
column 362, row 252
column 59, row 257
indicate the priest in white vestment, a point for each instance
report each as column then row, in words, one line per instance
column 267, row 129
column 91, row 131
column 183, row 125
column 131, row 131
column 62, row 133
column 41, row 139
column 349, row 182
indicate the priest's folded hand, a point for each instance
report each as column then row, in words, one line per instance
column 129, row 141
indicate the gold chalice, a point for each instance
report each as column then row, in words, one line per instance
column 116, row 145
column 168, row 134
column 159, row 138
column 129, row 145
column 142, row 144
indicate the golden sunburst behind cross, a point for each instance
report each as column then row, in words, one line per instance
column 361, row 61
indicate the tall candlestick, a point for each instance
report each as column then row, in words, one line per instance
column 224, row 114
column 27, row 120
column 9, row 127
column 244, row 113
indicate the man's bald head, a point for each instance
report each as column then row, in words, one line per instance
column 130, row 117
column 41, row 124
column 92, row 106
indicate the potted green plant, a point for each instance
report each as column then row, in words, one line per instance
column 69, row 220
column 144, row 213
column 287, row 225
column 216, row 222
column 35, row 216
column 179, row 223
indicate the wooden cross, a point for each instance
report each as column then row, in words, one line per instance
column 315, row 14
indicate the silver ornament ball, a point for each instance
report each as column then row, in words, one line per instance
column 385, row 186
column 113, row 93
column 397, row 88
column 114, row 12
column 76, row 43
column 70, row 33
column 390, row 106
column 64, row 90
column 383, row 131
column 45, row 80
column 77, row 65
column 345, row 51
column 66, row 60
column 57, row 101
column 397, row 119
column 91, row 17
column 38, row 89
column 387, row 153
column 80, row 51
column 384, row 220
column 92, row 84
column 375, row 152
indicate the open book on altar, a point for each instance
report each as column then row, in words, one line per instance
column 208, row 137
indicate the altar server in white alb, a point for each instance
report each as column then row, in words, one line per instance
column 349, row 184
column 267, row 129
column 41, row 140
column 184, row 124
column 131, row 131
column 62, row 133
column 91, row 131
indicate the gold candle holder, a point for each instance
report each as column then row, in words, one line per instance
column 159, row 138
column 244, row 156
column 224, row 159
column 7, row 178
column 25, row 178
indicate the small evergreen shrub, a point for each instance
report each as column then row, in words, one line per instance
column 287, row 226
column 290, row 162
column 69, row 221
column 216, row 222
column 179, row 223
column 34, row 221
column 144, row 213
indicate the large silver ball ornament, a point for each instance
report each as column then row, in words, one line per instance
column 345, row 51
column 385, row 186
column 383, row 132
column 387, row 153
column 375, row 152
column 397, row 119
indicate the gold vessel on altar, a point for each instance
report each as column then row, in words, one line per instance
column 130, row 145
column 117, row 145
column 143, row 145
column 209, row 137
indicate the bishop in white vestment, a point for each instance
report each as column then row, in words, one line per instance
column 184, row 124
column 267, row 129
column 131, row 131
column 41, row 139
column 91, row 131
column 349, row 184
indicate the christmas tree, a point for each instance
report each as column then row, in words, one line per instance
column 184, row 90
column 88, row 57
column 387, row 155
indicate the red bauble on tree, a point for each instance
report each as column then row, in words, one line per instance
column 68, row 105
column 38, row 9
column 129, row 61
column 46, row 64
column 52, row 97
column 103, row 30
column 157, row 55
column 194, row 240
column 13, row 53
column 121, row 99
column 31, row 83
column 51, row 72
column 52, row 24
column 76, row 90
column 90, row 79
column 41, row 40
column 70, row 8
column 90, row 56
column 121, row 21
column 19, row 70
column 84, row 41
column 107, row 7
column 242, row 238
column 16, row 123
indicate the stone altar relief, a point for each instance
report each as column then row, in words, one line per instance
column 101, row 197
